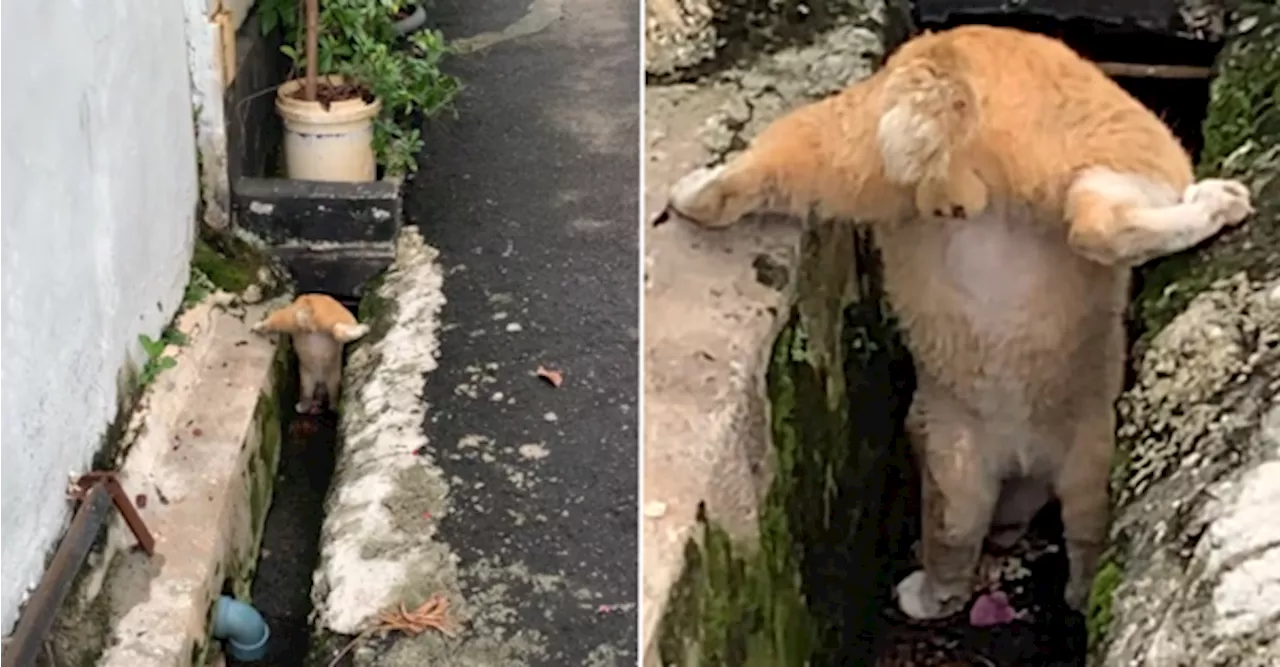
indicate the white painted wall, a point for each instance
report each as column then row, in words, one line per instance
column 99, row 202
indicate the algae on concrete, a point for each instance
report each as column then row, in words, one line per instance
column 838, row 384
column 1241, row 140
column 228, row 262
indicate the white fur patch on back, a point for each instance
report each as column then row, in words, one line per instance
column 909, row 141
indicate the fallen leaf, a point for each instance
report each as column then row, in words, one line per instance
column 140, row 501
column 432, row 615
column 553, row 376
column 197, row 432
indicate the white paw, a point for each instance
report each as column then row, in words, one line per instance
column 1227, row 201
column 346, row 333
column 302, row 407
column 259, row 327
column 916, row 598
column 691, row 199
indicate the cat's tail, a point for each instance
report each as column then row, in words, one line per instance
column 929, row 112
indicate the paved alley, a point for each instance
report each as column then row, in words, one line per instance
column 531, row 197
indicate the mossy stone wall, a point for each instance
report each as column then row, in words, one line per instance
column 809, row 591
column 1242, row 141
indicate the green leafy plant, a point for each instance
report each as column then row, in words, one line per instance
column 157, row 362
column 357, row 39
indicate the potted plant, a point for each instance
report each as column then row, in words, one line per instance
column 371, row 87
column 409, row 15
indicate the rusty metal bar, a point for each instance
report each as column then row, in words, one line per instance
column 1143, row 71
column 37, row 617
column 125, row 506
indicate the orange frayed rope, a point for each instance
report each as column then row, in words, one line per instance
column 430, row 615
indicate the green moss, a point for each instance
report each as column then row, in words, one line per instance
column 1243, row 106
column 229, row 263
column 1099, row 617
column 735, row 605
column 374, row 309
column 781, row 602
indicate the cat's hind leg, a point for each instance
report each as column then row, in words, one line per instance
column 308, row 380
column 959, row 496
column 1129, row 219
column 1081, row 487
column 333, row 385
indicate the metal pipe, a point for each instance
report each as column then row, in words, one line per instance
column 37, row 618
column 1145, row 71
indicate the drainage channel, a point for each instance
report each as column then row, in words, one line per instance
column 879, row 386
column 290, row 548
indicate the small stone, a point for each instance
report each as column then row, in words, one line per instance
column 251, row 294
column 1274, row 295
column 514, row 327
column 655, row 509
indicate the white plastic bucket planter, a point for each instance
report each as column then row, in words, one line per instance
column 327, row 145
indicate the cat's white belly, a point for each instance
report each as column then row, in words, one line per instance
column 1001, row 311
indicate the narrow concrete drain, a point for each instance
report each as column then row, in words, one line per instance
column 290, row 549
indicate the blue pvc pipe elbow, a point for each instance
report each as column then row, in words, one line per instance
column 242, row 629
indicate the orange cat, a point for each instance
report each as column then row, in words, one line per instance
column 1015, row 315
column 320, row 326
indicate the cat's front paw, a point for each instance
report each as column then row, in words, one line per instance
column 345, row 333
column 700, row 198
column 919, row 599
column 1226, row 201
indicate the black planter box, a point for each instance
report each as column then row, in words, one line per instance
column 331, row 237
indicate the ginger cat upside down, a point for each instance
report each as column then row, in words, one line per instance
column 320, row 326
column 1011, row 187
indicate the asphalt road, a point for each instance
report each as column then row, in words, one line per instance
column 531, row 195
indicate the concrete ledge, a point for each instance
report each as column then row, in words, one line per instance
column 201, row 450
column 282, row 210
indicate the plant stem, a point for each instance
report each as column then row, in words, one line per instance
column 313, row 37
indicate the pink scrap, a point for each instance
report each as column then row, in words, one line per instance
column 992, row 609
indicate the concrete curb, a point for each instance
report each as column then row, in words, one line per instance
column 375, row 553
column 201, row 449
